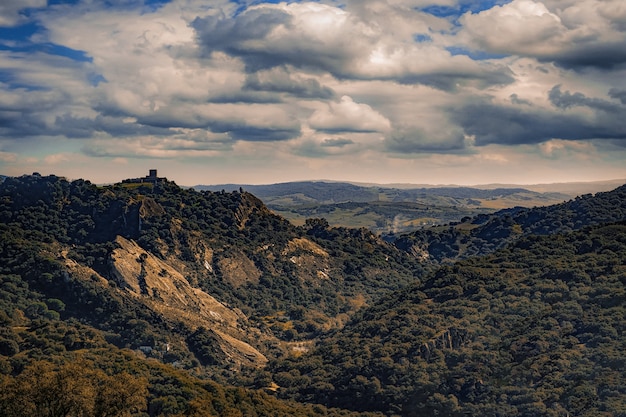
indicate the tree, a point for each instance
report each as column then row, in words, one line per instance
column 73, row 389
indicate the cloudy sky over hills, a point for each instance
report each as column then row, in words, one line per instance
column 214, row 91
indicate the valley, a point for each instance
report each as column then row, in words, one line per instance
column 401, row 208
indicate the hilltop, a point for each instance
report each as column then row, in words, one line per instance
column 485, row 233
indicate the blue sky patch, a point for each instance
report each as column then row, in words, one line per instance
column 422, row 37
column 55, row 2
column 464, row 7
column 18, row 33
column 51, row 49
column 475, row 55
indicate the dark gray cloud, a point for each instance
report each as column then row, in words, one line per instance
column 491, row 123
column 235, row 125
column 450, row 80
column 246, row 96
column 605, row 56
column 283, row 82
column 167, row 119
column 234, row 35
column 415, row 140
column 254, row 133
column 19, row 124
column 618, row 94
column 568, row 100
column 516, row 100
column 24, row 111
column 82, row 127
column 238, row 130
column 337, row 143
column 222, row 33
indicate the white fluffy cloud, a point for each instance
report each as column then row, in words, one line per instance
column 346, row 115
column 366, row 44
column 571, row 33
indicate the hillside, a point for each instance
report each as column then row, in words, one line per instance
column 172, row 257
column 485, row 233
column 210, row 283
column 536, row 329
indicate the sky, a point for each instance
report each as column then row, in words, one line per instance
column 255, row 92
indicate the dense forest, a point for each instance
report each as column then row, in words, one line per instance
column 148, row 299
column 533, row 329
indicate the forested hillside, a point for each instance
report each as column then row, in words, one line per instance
column 227, row 244
column 537, row 329
column 483, row 234
column 212, row 284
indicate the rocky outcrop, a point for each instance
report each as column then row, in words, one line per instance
column 312, row 261
column 165, row 290
column 452, row 338
column 239, row 270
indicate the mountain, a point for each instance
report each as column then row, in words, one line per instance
column 536, row 329
column 210, row 283
column 485, row 233
column 384, row 209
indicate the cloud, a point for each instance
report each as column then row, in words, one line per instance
column 246, row 132
column 337, row 143
column 10, row 11
column 304, row 35
column 515, row 99
column 185, row 143
column 314, row 88
column 573, row 34
column 618, row 94
column 57, row 159
column 414, row 139
column 280, row 80
column 576, row 117
column 83, row 127
column 8, row 156
column 325, row 39
column 568, row 100
column 557, row 148
column 348, row 116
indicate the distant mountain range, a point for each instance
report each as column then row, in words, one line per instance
column 399, row 208
column 320, row 190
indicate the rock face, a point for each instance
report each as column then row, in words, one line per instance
column 239, row 270
column 311, row 260
column 165, row 290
